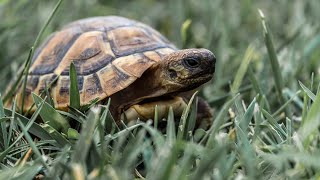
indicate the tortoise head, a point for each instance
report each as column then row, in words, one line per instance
column 187, row 69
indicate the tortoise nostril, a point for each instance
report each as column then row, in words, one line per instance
column 172, row 73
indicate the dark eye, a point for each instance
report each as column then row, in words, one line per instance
column 191, row 62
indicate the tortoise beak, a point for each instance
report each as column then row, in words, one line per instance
column 209, row 65
column 210, row 62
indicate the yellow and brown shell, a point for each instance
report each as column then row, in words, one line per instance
column 109, row 54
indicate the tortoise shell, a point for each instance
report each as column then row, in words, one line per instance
column 109, row 54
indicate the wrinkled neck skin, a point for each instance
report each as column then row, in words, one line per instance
column 149, row 85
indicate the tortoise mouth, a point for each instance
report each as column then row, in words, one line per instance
column 199, row 77
column 192, row 83
column 157, row 98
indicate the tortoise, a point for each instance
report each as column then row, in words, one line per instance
column 120, row 58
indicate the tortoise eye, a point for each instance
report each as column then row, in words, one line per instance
column 191, row 62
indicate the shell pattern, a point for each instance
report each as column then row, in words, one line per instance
column 109, row 54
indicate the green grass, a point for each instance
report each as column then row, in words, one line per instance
column 264, row 96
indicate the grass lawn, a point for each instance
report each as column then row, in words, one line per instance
column 264, row 96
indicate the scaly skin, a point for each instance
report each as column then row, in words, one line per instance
column 169, row 77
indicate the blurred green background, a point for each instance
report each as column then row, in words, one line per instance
column 226, row 27
column 270, row 139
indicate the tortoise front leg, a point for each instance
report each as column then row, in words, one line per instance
column 146, row 111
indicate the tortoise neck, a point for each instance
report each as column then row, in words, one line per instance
column 147, row 86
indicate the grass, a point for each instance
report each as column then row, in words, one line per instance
column 264, row 96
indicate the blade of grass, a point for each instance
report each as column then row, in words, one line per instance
column 156, row 136
column 132, row 150
column 311, row 86
column 305, row 108
column 291, row 94
column 181, row 172
column 71, row 116
column 100, row 133
column 108, row 122
column 228, row 95
column 3, row 132
column 304, row 159
column 30, row 56
column 48, row 95
column 239, row 78
column 10, row 93
column 242, row 69
column 31, row 143
column 289, row 130
column 208, row 161
column 257, row 87
column 184, row 121
column 26, row 172
column 274, row 123
column 82, row 146
column 171, row 134
column 218, row 122
column 247, row 153
column 99, row 140
column 50, row 116
column 123, row 132
column 35, row 128
column 29, row 125
column 12, row 120
column 192, row 118
column 275, row 67
column 307, row 91
column 156, row 117
column 25, row 73
column 74, row 89
column 76, row 112
column 184, row 30
column 245, row 120
column 4, row 119
column 86, row 107
column 286, row 104
column 311, row 123
column 41, row 93
column 162, row 165
column 60, row 139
